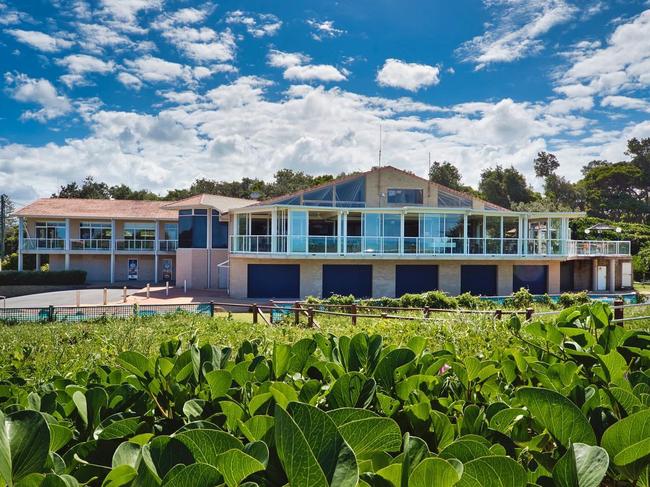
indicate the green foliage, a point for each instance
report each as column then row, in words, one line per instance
column 567, row 300
column 566, row 404
column 520, row 299
column 505, row 187
column 16, row 278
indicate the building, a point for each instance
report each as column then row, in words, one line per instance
column 384, row 232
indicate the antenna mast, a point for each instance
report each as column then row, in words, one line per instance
column 380, row 130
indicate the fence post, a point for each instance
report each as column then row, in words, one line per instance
column 255, row 311
column 529, row 313
column 166, row 288
column 619, row 312
column 211, row 309
column 148, row 289
column 135, row 310
column 185, row 286
column 124, row 294
column 105, row 296
column 296, row 313
column 78, row 298
column 310, row 317
column 384, row 315
column 426, row 311
column 50, row 313
column 498, row 314
column 353, row 312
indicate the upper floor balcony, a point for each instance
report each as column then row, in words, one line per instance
column 101, row 245
column 418, row 247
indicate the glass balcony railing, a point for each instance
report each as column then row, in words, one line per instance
column 43, row 244
column 90, row 244
column 303, row 244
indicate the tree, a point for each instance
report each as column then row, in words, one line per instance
column 445, row 173
column 545, row 164
column 640, row 152
column 641, row 264
column 123, row 192
column 90, row 189
column 505, row 187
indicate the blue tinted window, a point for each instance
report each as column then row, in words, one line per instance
column 219, row 232
column 199, row 211
column 405, row 196
column 192, row 232
column 351, row 193
column 184, row 212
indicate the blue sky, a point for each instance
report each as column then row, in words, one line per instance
column 155, row 93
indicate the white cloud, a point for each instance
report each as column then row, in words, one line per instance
column 626, row 102
column 130, row 81
column 128, row 10
column 11, row 16
column 98, row 37
column 258, row 25
column 83, row 63
column 324, row 30
column 40, row 40
column 197, row 43
column 150, row 68
column 280, row 59
column 624, row 63
column 38, row 91
column 516, row 30
column 409, row 76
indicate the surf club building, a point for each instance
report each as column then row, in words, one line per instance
column 385, row 232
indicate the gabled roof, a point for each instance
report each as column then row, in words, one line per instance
column 104, row 209
column 271, row 201
column 221, row 203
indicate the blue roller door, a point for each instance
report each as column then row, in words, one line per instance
column 532, row 277
column 415, row 279
column 273, row 280
column 347, row 279
column 480, row 280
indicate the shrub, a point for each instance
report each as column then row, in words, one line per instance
column 545, row 299
column 29, row 278
column 439, row 300
column 384, row 302
column 520, row 299
column 469, row 301
column 567, row 300
column 412, row 301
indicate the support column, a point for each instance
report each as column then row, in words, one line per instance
column 66, row 244
column 155, row 252
column 611, row 276
column 401, row 233
column 594, row 275
column 112, row 251
column 274, row 230
column 465, row 236
column 21, row 242
column 67, row 261
column 345, row 232
column 209, row 248
column 38, row 262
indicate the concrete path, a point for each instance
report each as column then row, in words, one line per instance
column 65, row 298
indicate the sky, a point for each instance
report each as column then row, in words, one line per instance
column 157, row 93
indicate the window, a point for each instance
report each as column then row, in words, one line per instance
column 405, row 196
column 50, row 230
column 298, row 228
column 139, row 231
column 94, row 231
column 451, row 200
column 351, row 193
column 219, row 232
column 171, row 231
column 193, row 229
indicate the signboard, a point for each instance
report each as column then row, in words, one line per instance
column 133, row 269
column 167, row 269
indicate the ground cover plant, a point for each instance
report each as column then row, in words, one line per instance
column 566, row 403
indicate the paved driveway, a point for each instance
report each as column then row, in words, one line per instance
column 66, row 298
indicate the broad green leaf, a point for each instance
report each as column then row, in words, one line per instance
column 312, row 449
column 207, row 444
column 371, row 435
column 24, row 444
column 219, row 382
column 558, row 415
column 136, row 363
column 167, row 451
column 258, row 428
column 434, row 471
column 119, row 476
column 345, row 415
column 235, row 466
column 196, row 475
column 385, row 371
column 351, row 390
column 118, row 426
column 581, row 466
column 280, row 359
column 628, row 438
column 415, row 450
column 493, row 471
column 503, row 420
column 127, row 453
column 465, row 449
column 614, row 364
column 79, row 400
column 59, row 436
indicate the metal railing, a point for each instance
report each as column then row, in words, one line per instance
column 167, row 245
column 135, row 245
column 43, row 243
column 309, row 244
column 90, row 244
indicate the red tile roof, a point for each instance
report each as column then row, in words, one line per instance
column 221, row 203
column 87, row 208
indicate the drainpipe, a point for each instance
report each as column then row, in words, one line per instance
column 21, row 229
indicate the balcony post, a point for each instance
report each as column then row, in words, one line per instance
column 209, row 248
column 155, row 252
column 524, row 233
column 465, row 236
column 344, row 230
column 594, row 274
column 112, row 251
column 401, row 233
column 611, row 275
column 21, row 242
column 66, row 242
column 274, row 230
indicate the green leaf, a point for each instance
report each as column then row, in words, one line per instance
column 235, row 466
column 626, row 441
column 493, row 471
column 371, row 435
column 166, row 452
column 385, row 372
column 465, row 449
column 581, row 466
column 117, row 426
column 136, row 363
column 219, row 382
column 121, row 475
column 434, row 471
column 127, row 453
column 207, row 444
column 351, row 390
column 311, row 448
column 24, row 444
column 59, row 436
column 558, row 415
column 280, row 359
column 614, row 364
column 196, row 475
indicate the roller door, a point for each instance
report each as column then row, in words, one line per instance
column 415, row 279
column 480, row 280
column 532, row 277
column 273, row 280
column 347, row 279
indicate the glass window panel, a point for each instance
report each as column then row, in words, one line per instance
column 294, row 200
column 453, row 225
column 392, row 225
column 184, row 212
column 510, row 227
column 322, row 194
column 219, row 232
column 242, row 224
column 351, row 193
column 200, row 211
column 451, row 200
column 493, row 226
column 298, row 221
column 405, row 196
column 171, row 231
